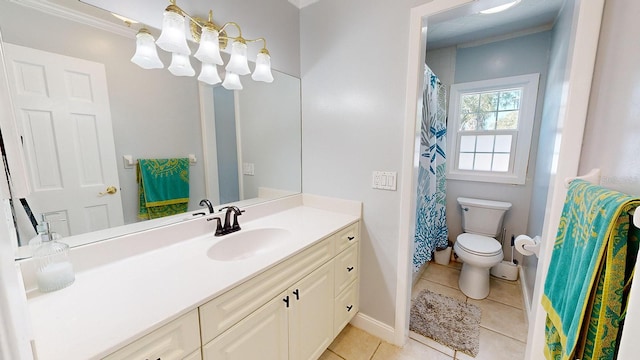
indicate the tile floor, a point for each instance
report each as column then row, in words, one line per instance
column 503, row 326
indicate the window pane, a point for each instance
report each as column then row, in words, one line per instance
column 510, row 100
column 503, row 143
column 468, row 122
column 500, row 162
column 507, row 120
column 467, row 143
column 465, row 161
column 469, row 103
column 482, row 162
column 488, row 121
column 485, row 144
column 489, row 101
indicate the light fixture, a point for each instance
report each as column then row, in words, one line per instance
column 212, row 38
column 146, row 55
column 181, row 65
column 500, row 8
column 209, row 74
column 232, row 81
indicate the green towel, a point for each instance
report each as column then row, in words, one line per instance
column 589, row 270
column 163, row 187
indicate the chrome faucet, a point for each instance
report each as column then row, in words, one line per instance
column 206, row 202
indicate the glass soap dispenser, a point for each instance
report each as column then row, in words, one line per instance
column 54, row 270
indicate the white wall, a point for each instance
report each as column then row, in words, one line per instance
column 551, row 111
column 517, row 56
column 353, row 67
column 612, row 134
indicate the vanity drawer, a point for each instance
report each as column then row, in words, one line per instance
column 346, row 237
column 346, row 307
column 346, row 268
column 178, row 339
column 221, row 313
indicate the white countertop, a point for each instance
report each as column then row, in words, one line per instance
column 112, row 305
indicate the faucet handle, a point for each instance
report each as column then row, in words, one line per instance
column 219, row 231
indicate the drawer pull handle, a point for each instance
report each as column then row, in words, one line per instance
column 349, row 308
column 351, row 237
column 286, row 300
column 350, row 269
column 297, row 294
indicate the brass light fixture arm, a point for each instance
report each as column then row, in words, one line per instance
column 223, row 35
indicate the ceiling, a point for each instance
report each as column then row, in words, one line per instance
column 467, row 25
column 456, row 27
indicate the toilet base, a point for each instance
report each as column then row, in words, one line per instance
column 474, row 281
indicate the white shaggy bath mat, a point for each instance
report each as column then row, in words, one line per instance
column 447, row 321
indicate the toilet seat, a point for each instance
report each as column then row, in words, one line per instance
column 479, row 245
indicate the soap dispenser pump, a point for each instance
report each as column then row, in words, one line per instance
column 54, row 270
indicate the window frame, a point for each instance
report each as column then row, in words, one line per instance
column 521, row 141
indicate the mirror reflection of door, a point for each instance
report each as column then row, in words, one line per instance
column 62, row 109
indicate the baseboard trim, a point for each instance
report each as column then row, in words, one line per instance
column 525, row 294
column 374, row 327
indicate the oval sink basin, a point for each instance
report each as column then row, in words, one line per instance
column 248, row 243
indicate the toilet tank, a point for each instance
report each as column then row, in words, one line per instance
column 483, row 217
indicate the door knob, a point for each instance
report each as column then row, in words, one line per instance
column 110, row 190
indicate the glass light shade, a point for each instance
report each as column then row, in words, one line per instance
column 181, row 65
column 209, row 74
column 232, row 81
column 146, row 55
column 238, row 63
column 173, row 37
column 263, row 69
column 209, row 50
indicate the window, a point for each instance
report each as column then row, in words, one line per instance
column 490, row 123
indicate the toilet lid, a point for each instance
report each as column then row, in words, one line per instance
column 478, row 244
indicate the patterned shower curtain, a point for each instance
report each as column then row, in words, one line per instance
column 431, row 221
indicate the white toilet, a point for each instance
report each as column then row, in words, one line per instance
column 477, row 246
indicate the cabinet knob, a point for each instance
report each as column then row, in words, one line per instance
column 350, row 269
column 349, row 308
column 351, row 237
column 297, row 294
column 286, row 300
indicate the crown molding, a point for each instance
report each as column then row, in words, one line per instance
column 77, row 16
column 302, row 3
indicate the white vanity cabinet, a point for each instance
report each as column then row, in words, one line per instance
column 299, row 321
column 179, row 339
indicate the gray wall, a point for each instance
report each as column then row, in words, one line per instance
column 517, row 56
column 353, row 67
column 269, row 117
column 555, row 93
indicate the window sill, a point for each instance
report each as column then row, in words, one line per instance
column 490, row 178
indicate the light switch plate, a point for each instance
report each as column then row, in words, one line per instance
column 248, row 169
column 384, row 180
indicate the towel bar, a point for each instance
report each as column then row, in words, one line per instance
column 129, row 162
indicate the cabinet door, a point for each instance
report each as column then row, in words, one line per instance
column 311, row 314
column 173, row 341
column 262, row 335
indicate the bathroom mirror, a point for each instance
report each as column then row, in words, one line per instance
column 246, row 144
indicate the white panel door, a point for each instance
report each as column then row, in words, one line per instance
column 62, row 109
